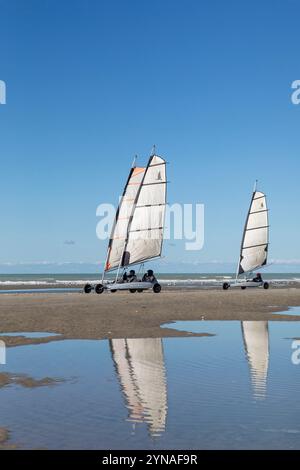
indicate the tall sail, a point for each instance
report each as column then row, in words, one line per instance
column 141, row 371
column 254, row 248
column 145, row 233
column 256, row 342
column 137, row 234
column 125, row 210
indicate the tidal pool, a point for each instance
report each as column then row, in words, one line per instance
column 238, row 389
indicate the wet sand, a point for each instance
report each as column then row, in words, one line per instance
column 4, row 440
column 4, row 436
column 26, row 381
column 126, row 315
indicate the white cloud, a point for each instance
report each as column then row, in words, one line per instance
column 285, row 261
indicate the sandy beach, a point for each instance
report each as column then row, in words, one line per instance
column 46, row 377
column 125, row 315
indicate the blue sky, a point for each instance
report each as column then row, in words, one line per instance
column 91, row 83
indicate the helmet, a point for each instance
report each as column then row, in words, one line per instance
column 150, row 272
column 132, row 272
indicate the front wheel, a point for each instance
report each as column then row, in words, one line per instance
column 226, row 286
column 157, row 288
column 99, row 289
column 140, row 290
column 243, row 287
column 87, row 289
column 133, row 291
column 266, row 285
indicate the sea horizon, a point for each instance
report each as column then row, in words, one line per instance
column 168, row 279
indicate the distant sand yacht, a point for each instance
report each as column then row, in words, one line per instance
column 141, row 372
column 256, row 342
column 255, row 244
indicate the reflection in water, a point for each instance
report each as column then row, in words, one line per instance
column 256, row 342
column 209, row 401
column 141, row 371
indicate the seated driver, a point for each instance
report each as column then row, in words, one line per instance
column 149, row 277
column 131, row 277
column 257, row 278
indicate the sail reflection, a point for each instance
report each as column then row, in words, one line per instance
column 256, row 342
column 141, row 372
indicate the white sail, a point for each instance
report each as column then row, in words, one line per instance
column 254, row 248
column 256, row 341
column 120, row 228
column 141, row 371
column 137, row 234
column 145, row 236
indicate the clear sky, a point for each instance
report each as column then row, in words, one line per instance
column 91, row 83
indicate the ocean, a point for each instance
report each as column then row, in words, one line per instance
column 184, row 280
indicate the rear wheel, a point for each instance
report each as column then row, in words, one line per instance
column 87, row 289
column 243, row 287
column 266, row 285
column 113, row 291
column 133, row 291
column 157, row 288
column 99, row 289
column 140, row 290
column 226, row 286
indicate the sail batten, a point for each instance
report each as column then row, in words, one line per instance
column 255, row 242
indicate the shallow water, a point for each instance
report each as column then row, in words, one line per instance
column 238, row 389
column 33, row 334
column 290, row 311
